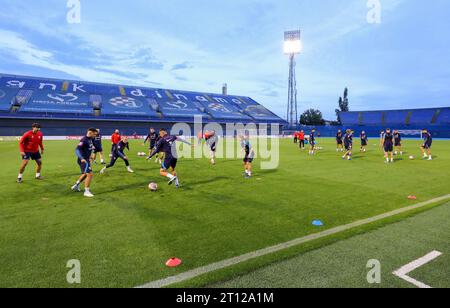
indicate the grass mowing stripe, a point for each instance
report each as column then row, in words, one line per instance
column 259, row 253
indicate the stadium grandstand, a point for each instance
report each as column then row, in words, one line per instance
column 410, row 121
column 60, row 106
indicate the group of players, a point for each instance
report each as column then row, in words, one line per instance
column 390, row 142
column 161, row 145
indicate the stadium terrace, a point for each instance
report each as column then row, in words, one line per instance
column 60, row 104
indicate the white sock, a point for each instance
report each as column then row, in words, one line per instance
column 38, row 175
column 87, row 190
column 170, row 176
column 20, row 175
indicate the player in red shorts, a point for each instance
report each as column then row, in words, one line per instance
column 29, row 146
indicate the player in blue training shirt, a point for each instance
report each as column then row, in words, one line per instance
column 167, row 145
column 312, row 142
column 397, row 143
column 388, row 145
column 119, row 152
column 364, row 141
column 339, row 141
column 84, row 153
column 249, row 155
column 348, row 144
column 98, row 148
column 427, row 143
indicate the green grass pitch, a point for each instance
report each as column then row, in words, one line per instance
column 125, row 234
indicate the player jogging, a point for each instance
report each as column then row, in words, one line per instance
column 364, row 141
column 348, row 143
column 167, row 145
column 84, row 153
column 312, row 142
column 98, row 148
column 152, row 137
column 119, row 153
column 211, row 141
column 428, row 142
column 249, row 156
column 29, row 146
column 388, row 145
column 397, row 143
column 339, row 142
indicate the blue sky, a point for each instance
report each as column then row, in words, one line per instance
column 197, row 45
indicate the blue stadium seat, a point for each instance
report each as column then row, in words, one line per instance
column 179, row 108
column 395, row 117
column 349, row 118
column 113, row 105
column 423, row 116
column 372, row 118
column 444, row 116
column 58, row 102
column 253, row 109
column 6, row 98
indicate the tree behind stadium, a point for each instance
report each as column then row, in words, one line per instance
column 312, row 117
column 343, row 105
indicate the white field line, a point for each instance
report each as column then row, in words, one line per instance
column 269, row 250
column 408, row 268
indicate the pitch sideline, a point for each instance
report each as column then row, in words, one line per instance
column 269, row 250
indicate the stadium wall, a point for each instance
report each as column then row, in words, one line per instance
column 54, row 127
column 437, row 131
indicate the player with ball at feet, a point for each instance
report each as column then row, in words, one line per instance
column 167, row 145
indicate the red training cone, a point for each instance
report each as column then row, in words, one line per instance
column 173, row 262
column 412, row 197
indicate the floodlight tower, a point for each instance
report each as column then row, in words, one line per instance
column 292, row 47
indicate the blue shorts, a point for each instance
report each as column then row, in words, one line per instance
column 32, row 156
column 388, row 147
column 169, row 162
column 85, row 168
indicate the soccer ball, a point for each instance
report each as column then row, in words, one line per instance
column 411, row 157
column 153, row 186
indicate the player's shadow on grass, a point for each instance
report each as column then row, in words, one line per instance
column 266, row 171
column 189, row 186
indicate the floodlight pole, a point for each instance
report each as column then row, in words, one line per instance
column 292, row 112
column 292, row 40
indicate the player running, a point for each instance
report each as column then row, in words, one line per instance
column 348, row 143
column 364, row 141
column 312, row 142
column 339, row 142
column 397, row 143
column 119, row 153
column 211, row 140
column 84, row 153
column 98, row 148
column 388, row 145
column 249, row 156
column 428, row 142
column 152, row 137
column 29, row 146
column 167, row 145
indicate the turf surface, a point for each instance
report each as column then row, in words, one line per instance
column 126, row 233
column 343, row 264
